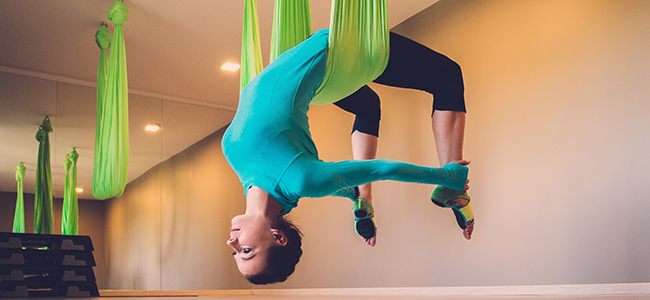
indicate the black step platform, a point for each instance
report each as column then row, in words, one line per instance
column 46, row 265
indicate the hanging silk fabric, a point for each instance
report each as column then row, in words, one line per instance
column 19, row 215
column 291, row 25
column 112, row 133
column 358, row 48
column 70, row 215
column 251, row 51
column 43, row 214
column 358, row 42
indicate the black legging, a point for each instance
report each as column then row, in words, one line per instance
column 410, row 65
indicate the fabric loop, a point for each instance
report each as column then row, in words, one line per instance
column 74, row 156
column 118, row 13
column 67, row 164
column 103, row 38
column 40, row 134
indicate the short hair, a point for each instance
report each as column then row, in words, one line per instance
column 282, row 260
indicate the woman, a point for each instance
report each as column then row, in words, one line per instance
column 269, row 146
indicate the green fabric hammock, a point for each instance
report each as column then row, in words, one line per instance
column 112, row 133
column 359, row 42
column 359, row 48
column 251, row 51
column 291, row 25
column 43, row 214
column 70, row 215
column 19, row 215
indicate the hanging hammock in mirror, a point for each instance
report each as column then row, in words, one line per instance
column 43, row 214
column 19, row 215
column 112, row 132
column 70, row 210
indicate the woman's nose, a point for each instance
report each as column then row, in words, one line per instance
column 231, row 241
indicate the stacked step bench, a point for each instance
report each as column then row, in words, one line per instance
column 46, row 265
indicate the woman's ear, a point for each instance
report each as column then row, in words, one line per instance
column 280, row 237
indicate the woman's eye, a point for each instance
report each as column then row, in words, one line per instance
column 246, row 250
column 234, row 253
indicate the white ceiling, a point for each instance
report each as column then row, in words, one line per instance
column 174, row 50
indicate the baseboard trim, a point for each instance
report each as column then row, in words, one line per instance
column 538, row 290
column 523, row 290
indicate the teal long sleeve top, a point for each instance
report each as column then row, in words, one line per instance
column 268, row 143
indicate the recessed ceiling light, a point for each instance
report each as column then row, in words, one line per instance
column 232, row 67
column 79, row 190
column 152, row 127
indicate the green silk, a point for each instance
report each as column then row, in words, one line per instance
column 251, row 50
column 291, row 25
column 112, row 133
column 358, row 42
column 359, row 48
column 19, row 215
column 43, row 214
column 70, row 210
column 103, row 40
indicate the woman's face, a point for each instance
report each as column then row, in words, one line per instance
column 250, row 238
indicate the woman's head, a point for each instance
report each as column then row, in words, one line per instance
column 265, row 252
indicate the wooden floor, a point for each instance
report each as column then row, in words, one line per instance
column 365, row 294
column 373, row 297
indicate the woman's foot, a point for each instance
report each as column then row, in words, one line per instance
column 364, row 221
column 460, row 204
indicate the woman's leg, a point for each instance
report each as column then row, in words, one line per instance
column 365, row 105
column 413, row 65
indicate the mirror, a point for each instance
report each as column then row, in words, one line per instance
column 26, row 98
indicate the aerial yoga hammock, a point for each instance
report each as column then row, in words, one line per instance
column 112, row 133
column 358, row 43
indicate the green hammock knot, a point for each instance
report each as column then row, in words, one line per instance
column 47, row 125
column 67, row 164
column 71, row 160
column 43, row 130
column 74, row 156
column 20, row 172
column 118, row 13
column 40, row 135
column 103, row 38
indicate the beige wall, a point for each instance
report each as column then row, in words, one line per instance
column 557, row 131
column 168, row 230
